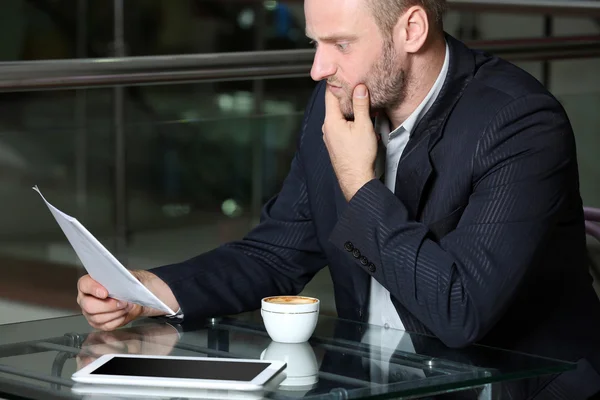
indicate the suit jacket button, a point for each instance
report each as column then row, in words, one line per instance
column 372, row 268
column 348, row 246
column 356, row 253
column 364, row 261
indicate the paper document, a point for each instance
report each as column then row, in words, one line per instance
column 102, row 266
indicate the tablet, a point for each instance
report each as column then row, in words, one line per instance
column 104, row 392
column 179, row 372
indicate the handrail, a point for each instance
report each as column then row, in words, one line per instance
column 102, row 72
column 98, row 72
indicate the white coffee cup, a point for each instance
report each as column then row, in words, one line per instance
column 290, row 319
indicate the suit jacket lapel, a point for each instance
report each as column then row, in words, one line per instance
column 415, row 167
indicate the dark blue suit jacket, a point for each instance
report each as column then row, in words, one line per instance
column 483, row 240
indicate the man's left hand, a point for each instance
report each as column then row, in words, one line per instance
column 352, row 145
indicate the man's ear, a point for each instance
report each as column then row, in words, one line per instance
column 412, row 29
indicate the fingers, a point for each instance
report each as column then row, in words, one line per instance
column 95, row 305
column 361, row 105
column 87, row 285
column 332, row 107
column 103, row 318
column 110, row 325
column 102, row 313
column 92, row 305
column 113, row 320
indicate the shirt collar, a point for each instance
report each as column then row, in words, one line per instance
column 382, row 122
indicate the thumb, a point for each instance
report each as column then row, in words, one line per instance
column 361, row 104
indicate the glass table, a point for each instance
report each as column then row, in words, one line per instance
column 342, row 360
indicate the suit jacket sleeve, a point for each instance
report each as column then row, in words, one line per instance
column 278, row 257
column 460, row 285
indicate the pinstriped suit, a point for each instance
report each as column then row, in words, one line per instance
column 483, row 239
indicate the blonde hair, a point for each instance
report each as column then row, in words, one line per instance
column 387, row 12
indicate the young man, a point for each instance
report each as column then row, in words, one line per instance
column 457, row 213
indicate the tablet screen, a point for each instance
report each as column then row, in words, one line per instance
column 192, row 369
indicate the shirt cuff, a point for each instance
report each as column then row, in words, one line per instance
column 175, row 318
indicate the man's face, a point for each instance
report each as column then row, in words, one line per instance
column 352, row 50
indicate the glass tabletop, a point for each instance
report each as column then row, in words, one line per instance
column 342, row 360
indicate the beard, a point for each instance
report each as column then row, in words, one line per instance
column 386, row 82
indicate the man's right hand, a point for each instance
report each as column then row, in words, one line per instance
column 107, row 314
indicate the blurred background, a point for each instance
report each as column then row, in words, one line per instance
column 163, row 126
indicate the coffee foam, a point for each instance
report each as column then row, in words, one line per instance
column 291, row 300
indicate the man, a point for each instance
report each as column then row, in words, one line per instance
column 472, row 231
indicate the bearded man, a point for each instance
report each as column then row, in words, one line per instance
column 438, row 184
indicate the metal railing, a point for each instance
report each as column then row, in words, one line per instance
column 74, row 73
column 87, row 73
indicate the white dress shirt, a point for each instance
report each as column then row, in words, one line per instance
column 381, row 310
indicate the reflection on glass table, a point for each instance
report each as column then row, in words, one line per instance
column 340, row 361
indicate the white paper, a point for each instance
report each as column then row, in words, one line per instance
column 102, row 266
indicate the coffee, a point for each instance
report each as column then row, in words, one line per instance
column 290, row 319
column 290, row 300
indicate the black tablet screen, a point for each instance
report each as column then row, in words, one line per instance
column 191, row 369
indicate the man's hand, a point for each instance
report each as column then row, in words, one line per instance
column 352, row 145
column 105, row 313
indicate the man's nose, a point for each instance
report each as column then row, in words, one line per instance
column 322, row 67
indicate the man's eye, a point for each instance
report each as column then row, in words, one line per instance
column 313, row 43
column 342, row 46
